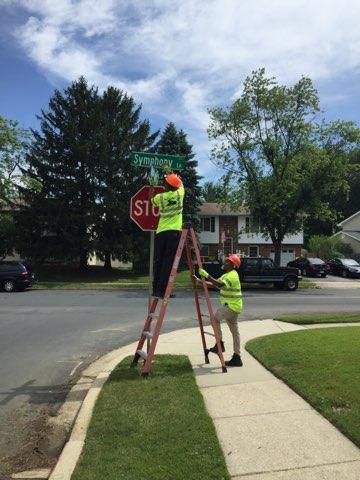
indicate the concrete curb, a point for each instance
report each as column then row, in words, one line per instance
column 79, row 413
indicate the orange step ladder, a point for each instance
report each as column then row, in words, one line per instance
column 187, row 235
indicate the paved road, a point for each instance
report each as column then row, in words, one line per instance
column 46, row 338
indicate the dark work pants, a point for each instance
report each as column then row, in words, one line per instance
column 166, row 244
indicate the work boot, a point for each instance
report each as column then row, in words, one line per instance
column 214, row 349
column 235, row 361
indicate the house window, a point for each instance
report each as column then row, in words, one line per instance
column 253, row 225
column 253, row 251
column 204, row 251
column 208, row 224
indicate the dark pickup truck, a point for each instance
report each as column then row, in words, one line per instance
column 261, row 270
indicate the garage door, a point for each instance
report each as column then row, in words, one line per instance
column 287, row 255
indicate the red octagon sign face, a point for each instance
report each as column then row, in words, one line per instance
column 142, row 211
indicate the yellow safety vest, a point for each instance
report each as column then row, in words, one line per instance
column 230, row 293
column 171, row 206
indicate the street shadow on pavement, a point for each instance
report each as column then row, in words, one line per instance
column 40, row 394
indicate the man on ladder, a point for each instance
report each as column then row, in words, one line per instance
column 168, row 232
column 231, row 301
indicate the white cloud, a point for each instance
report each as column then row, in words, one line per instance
column 178, row 57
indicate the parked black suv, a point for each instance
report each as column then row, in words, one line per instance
column 261, row 270
column 310, row 266
column 15, row 276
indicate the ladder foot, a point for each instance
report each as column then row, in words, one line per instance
column 134, row 363
column 224, row 369
column 145, row 374
column 206, row 356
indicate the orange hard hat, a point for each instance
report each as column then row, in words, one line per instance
column 173, row 180
column 235, row 260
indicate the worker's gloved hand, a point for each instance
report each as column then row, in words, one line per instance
column 167, row 169
column 203, row 273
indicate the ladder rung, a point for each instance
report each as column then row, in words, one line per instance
column 205, row 315
column 142, row 354
column 147, row 335
column 209, row 333
column 152, row 315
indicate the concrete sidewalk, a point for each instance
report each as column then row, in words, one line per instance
column 266, row 431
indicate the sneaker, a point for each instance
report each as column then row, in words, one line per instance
column 214, row 349
column 235, row 361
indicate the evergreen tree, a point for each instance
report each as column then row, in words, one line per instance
column 121, row 132
column 174, row 142
column 58, row 221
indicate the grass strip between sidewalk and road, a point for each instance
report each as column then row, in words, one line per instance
column 96, row 278
column 311, row 318
column 151, row 429
column 321, row 365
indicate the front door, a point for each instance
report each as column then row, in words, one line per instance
column 228, row 246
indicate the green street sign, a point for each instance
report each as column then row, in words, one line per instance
column 157, row 160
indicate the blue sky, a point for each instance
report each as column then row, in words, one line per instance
column 177, row 58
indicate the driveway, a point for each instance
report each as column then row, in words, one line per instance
column 332, row 281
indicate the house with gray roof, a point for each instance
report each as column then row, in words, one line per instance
column 350, row 231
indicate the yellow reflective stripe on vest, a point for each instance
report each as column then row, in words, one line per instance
column 231, row 296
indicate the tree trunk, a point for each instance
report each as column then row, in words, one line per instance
column 83, row 261
column 277, row 258
column 107, row 264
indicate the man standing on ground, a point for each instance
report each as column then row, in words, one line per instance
column 231, row 305
column 167, row 236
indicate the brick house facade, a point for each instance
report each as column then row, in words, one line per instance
column 241, row 234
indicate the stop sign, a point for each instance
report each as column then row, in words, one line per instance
column 142, row 211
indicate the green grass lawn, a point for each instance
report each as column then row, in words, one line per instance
column 310, row 318
column 64, row 278
column 97, row 278
column 321, row 365
column 153, row 429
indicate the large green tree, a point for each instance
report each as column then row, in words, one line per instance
column 81, row 157
column 344, row 204
column 277, row 159
column 14, row 143
column 174, row 142
column 352, row 201
column 58, row 221
column 120, row 132
column 212, row 192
